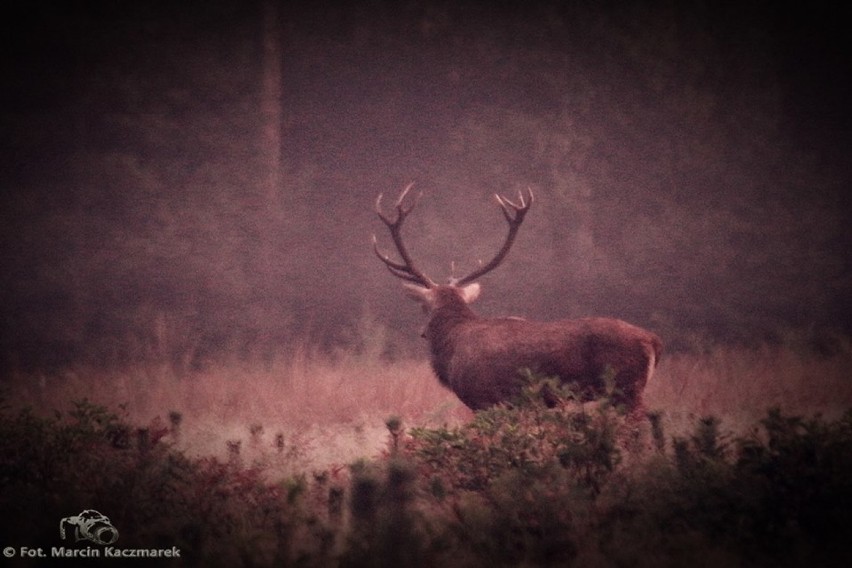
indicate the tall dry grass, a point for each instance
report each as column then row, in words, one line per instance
column 324, row 408
column 309, row 409
column 738, row 385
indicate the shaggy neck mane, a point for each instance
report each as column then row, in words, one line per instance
column 440, row 333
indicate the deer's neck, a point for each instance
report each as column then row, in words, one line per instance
column 441, row 332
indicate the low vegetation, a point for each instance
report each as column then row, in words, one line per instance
column 520, row 484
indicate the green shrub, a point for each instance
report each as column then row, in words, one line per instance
column 515, row 485
column 781, row 497
column 528, row 484
column 527, row 437
column 217, row 514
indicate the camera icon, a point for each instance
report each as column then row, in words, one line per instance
column 89, row 525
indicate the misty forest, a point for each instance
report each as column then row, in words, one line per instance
column 189, row 193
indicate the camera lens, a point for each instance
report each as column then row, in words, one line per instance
column 104, row 533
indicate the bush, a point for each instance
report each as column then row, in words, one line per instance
column 216, row 513
column 780, row 497
column 517, row 484
column 527, row 437
column 526, row 484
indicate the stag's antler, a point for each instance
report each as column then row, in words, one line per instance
column 405, row 269
column 514, row 214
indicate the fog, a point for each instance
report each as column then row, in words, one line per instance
column 196, row 181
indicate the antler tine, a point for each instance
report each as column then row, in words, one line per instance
column 514, row 214
column 395, row 268
column 401, row 211
column 520, row 208
column 405, row 269
column 404, row 193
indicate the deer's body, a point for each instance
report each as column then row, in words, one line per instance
column 482, row 359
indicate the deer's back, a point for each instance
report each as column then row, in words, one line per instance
column 489, row 354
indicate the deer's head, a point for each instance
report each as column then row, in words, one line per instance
column 459, row 292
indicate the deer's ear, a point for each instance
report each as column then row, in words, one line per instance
column 425, row 296
column 470, row 293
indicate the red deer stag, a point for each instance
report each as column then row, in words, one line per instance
column 481, row 359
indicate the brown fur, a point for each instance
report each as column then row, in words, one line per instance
column 480, row 359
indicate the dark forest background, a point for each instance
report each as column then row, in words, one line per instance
column 191, row 180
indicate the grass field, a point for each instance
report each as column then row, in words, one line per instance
column 331, row 409
column 303, row 461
